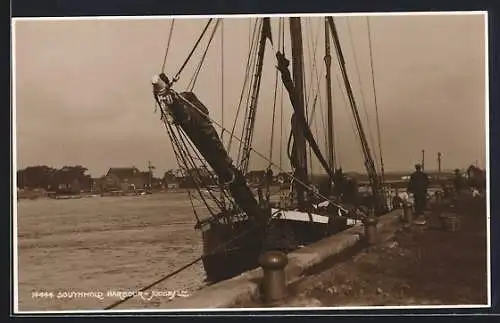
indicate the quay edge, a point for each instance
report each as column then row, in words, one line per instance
column 228, row 293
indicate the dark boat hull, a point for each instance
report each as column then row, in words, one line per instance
column 244, row 244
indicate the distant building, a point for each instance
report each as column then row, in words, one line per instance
column 124, row 179
column 65, row 181
column 202, row 176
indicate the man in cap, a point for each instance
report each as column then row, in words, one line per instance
column 419, row 182
column 458, row 182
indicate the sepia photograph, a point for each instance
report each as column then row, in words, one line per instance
column 251, row 162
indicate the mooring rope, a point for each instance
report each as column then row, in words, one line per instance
column 177, row 271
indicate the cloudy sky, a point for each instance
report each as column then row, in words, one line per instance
column 83, row 91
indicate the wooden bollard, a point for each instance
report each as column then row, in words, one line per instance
column 273, row 283
column 407, row 213
column 370, row 224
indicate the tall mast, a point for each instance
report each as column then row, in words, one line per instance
column 328, row 64
column 298, row 135
column 369, row 163
column 250, row 124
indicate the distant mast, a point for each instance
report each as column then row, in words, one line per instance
column 423, row 159
column 150, row 177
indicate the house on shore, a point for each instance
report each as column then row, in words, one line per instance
column 66, row 181
column 123, row 179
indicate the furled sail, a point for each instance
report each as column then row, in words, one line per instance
column 191, row 115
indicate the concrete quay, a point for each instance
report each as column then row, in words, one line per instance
column 232, row 292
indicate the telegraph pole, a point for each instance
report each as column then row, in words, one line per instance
column 150, row 168
column 423, row 159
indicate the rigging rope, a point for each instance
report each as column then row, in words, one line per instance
column 281, row 36
column 275, row 100
column 156, row 282
column 261, row 155
column 192, row 51
column 379, row 139
column 314, row 72
column 222, row 79
column 353, row 126
column 194, row 78
column 358, row 72
column 168, row 45
column 274, row 115
column 181, row 157
column 245, row 82
column 186, row 266
column 241, row 152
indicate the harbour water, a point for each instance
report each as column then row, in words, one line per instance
column 104, row 244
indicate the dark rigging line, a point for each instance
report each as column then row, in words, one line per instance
column 222, row 79
column 363, row 100
column 168, row 45
column 252, row 39
column 245, row 81
column 241, row 150
column 346, row 106
column 379, row 139
column 156, row 282
column 259, row 154
column 282, row 38
column 274, row 111
column 192, row 50
column 193, row 80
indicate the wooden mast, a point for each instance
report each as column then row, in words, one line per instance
column 331, row 140
column 250, row 124
column 298, row 134
column 369, row 162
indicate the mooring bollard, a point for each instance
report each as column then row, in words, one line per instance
column 407, row 213
column 370, row 224
column 273, row 284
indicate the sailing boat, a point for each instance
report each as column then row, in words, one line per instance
column 242, row 223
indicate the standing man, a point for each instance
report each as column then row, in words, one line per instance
column 419, row 182
column 458, row 182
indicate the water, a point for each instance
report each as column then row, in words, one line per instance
column 103, row 244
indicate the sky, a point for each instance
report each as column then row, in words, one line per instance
column 83, row 90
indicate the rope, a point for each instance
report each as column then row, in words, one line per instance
column 259, row 154
column 192, row 82
column 192, row 50
column 274, row 110
column 222, row 79
column 156, row 282
column 241, row 151
column 181, row 157
column 245, row 82
column 175, row 272
column 360, row 87
column 282, row 35
column 168, row 45
column 376, row 105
